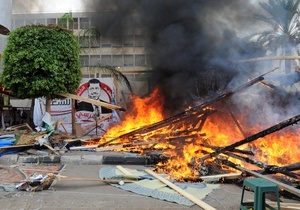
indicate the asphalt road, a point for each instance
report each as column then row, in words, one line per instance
column 67, row 194
column 92, row 195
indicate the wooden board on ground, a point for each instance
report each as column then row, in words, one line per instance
column 181, row 191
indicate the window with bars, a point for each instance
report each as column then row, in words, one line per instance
column 94, row 60
column 75, row 24
column 41, row 21
column 116, row 42
column 84, row 42
column 140, row 60
column 29, row 21
column 128, row 60
column 84, row 23
column 139, row 41
column 128, row 40
column 94, row 42
column 105, row 42
column 51, row 21
column 117, row 60
column 106, row 60
column 84, row 60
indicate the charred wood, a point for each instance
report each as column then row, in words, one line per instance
column 245, row 152
column 154, row 126
column 246, row 159
column 275, row 169
column 286, row 187
column 249, row 139
column 197, row 109
column 268, row 169
column 291, row 167
column 236, row 122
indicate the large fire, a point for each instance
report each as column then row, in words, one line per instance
column 184, row 142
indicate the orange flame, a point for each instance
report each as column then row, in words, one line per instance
column 183, row 143
column 144, row 111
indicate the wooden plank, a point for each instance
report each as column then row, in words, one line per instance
column 123, row 170
column 66, row 178
column 286, row 187
column 181, row 191
column 110, row 148
column 92, row 101
column 84, row 147
column 127, row 174
column 219, row 176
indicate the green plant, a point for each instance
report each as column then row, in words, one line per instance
column 41, row 61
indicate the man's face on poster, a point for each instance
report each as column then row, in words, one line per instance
column 94, row 91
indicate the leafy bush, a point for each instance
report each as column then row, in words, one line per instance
column 41, row 60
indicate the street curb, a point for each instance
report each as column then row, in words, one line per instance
column 84, row 159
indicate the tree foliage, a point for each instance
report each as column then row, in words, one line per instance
column 282, row 17
column 41, row 60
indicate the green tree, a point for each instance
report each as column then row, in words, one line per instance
column 41, row 61
column 282, row 17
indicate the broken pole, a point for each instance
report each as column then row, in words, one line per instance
column 263, row 133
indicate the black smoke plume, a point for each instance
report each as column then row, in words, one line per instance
column 187, row 39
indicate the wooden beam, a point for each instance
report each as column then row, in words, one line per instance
column 92, row 101
column 219, row 176
column 181, row 191
column 249, row 139
column 286, row 187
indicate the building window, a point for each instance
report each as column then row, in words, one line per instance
column 116, row 42
column 74, row 25
column 105, row 43
column 84, row 42
column 128, row 40
column 84, row 23
column 40, row 21
column 128, row 60
column 140, row 60
column 94, row 60
column 95, row 43
column 106, row 60
column 84, row 60
column 117, row 60
column 51, row 21
column 139, row 41
column 30, row 21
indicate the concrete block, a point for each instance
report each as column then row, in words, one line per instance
column 8, row 159
column 91, row 159
column 70, row 159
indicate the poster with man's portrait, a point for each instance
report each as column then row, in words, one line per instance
column 90, row 116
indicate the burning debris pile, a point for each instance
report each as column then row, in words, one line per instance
column 192, row 143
